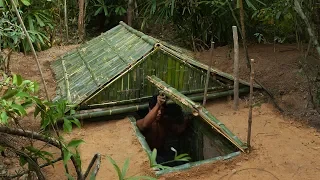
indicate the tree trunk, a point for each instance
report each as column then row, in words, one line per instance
column 81, row 29
column 299, row 10
column 130, row 12
column 244, row 33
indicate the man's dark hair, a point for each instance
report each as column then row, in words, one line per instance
column 174, row 112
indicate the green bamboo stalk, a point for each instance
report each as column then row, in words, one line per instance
column 181, row 78
column 177, row 75
column 193, row 96
column 169, row 79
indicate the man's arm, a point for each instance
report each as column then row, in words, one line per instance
column 151, row 116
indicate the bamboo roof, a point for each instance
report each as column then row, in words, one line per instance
column 91, row 66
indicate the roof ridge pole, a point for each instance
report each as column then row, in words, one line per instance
column 32, row 48
column 208, row 75
column 140, row 34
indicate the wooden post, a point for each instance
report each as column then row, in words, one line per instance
column 31, row 46
column 236, row 68
column 208, row 75
column 250, row 104
column 66, row 19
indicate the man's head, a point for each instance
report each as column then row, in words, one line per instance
column 174, row 114
column 153, row 103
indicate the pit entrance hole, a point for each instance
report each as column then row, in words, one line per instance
column 200, row 141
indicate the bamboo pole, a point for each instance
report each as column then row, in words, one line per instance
column 250, row 104
column 31, row 46
column 236, row 68
column 87, row 114
column 208, row 75
column 66, row 19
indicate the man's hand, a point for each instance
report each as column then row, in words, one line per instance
column 161, row 99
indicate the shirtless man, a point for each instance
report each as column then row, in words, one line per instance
column 156, row 125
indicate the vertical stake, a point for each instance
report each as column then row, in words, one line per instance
column 250, row 104
column 66, row 19
column 31, row 46
column 236, row 68
column 208, row 75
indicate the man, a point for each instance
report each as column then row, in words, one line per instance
column 161, row 120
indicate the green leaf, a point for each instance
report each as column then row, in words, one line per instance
column 26, row 2
column 19, row 109
column 39, row 21
column 154, row 157
column 2, row 148
column 69, row 176
column 125, row 168
column 22, row 161
column 76, row 122
column 98, row 11
column 72, row 112
column 66, row 155
column 22, row 94
column 27, row 104
column 278, row 15
column 31, row 26
column 1, row 3
column 17, row 80
column 10, row 93
column 75, row 143
column 182, row 156
column 251, row 5
column 67, row 126
column 116, row 167
column 105, row 11
column 36, row 111
column 4, row 118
